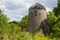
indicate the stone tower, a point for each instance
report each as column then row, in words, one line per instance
column 37, row 18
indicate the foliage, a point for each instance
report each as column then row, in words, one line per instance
column 4, row 26
column 51, row 20
column 54, row 24
column 12, row 30
column 57, row 9
column 23, row 22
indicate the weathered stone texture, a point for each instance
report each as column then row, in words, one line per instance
column 37, row 18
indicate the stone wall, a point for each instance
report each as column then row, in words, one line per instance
column 37, row 19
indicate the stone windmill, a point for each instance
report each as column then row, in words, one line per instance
column 37, row 19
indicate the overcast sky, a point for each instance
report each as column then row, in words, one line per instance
column 16, row 9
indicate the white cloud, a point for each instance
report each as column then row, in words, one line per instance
column 2, row 7
column 16, row 9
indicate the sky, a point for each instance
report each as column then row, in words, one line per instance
column 16, row 9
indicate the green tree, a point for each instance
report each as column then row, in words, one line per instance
column 23, row 22
column 57, row 9
column 51, row 21
column 4, row 25
column 54, row 24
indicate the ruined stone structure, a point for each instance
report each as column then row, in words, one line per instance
column 37, row 19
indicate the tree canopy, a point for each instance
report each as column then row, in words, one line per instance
column 57, row 9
